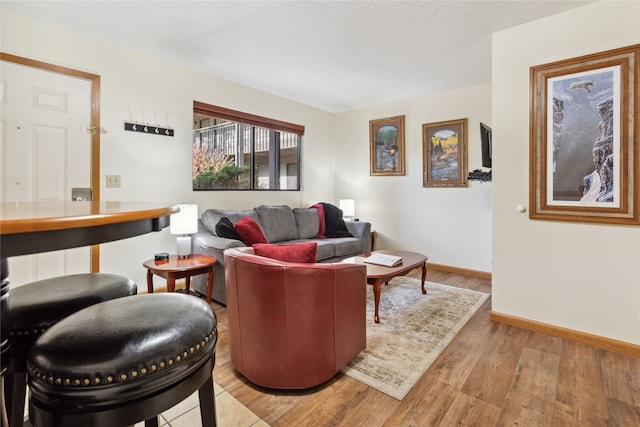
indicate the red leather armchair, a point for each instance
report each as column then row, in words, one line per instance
column 293, row 325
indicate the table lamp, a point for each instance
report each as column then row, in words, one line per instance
column 348, row 208
column 184, row 223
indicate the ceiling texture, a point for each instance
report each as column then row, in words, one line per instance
column 333, row 55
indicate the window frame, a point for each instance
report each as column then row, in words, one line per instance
column 216, row 111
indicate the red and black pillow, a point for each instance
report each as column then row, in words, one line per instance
column 249, row 231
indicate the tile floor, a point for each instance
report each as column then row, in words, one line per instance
column 229, row 411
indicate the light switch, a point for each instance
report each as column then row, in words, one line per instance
column 113, row 181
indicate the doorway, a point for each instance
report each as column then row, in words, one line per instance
column 50, row 150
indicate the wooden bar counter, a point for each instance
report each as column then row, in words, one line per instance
column 34, row 227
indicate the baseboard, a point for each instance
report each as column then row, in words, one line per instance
column 570, row 334
column 457, row 270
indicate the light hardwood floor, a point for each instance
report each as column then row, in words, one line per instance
column 490, row 375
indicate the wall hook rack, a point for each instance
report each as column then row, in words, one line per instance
column 147, row 128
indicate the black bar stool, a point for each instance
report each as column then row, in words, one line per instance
column 123, row 361
column 36, row 306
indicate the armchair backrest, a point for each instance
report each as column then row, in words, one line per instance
column 293, row 325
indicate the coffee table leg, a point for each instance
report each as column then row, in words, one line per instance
column 424, row 276
column 171, row 282
column 376, row 299
column 209, row 284
column 149, row 281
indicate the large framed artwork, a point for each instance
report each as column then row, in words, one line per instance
column 584, row 153
column 444, row 154
column 386, row 146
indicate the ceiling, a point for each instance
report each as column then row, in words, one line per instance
column 333, row 55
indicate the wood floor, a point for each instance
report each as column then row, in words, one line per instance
column 490, row 375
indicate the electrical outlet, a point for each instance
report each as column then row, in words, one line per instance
column 113, row 181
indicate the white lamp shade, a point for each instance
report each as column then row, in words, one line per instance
column 185, row 221
column 348, row 207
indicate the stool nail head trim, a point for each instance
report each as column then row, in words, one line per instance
column 124, row 376
column 15, row 333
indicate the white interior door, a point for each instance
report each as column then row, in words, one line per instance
column 45, row 152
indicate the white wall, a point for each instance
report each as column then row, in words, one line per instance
column 156, row 168
column 452, row 226
column 580, row 276
column 584, row 277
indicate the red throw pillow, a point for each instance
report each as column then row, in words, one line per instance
column 322, row 228
column 249, row 231
column 297, row 252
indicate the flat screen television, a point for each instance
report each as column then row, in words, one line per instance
column 485, row 138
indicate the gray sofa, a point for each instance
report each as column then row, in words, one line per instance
column 281, row 225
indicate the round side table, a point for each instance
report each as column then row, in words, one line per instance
column 178, row 268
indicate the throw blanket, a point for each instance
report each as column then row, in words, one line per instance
column 334, row 225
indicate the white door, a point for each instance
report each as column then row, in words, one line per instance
column 45, row 152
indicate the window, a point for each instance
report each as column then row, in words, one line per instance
column 239, row 151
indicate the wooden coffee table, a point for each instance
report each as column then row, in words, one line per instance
column 378, row 274
column 178, row 268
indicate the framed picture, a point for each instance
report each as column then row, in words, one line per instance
column 386, row 146
column 444, row 154
column 584, row 153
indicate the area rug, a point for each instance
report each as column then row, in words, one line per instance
column 413, row 330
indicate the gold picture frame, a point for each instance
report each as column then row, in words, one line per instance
column 386, row 146
column 584, row 157
column 444, row 154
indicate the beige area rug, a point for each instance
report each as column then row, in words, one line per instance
column 413, row 330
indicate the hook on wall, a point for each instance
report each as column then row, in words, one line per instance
column 147, row 128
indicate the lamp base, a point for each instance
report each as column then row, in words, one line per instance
column 183, row 244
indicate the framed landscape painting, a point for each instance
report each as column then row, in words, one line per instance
column 444, row 147
column 386, row 146
column 584, row 157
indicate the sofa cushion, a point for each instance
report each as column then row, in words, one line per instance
column 298, row 252
column 346, row 246
column 307, row 221
column 326, row 250
column 278, row 223
column 250, row 231
column 211, row 217
column 224, row 228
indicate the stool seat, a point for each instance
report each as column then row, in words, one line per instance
column 123, row 361
column 36, row 306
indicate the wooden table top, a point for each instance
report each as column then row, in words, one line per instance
column 410, row 260
column 193, row 261
column 21, row 217
column 33, row 227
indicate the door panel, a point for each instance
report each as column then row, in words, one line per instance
column 46, row 151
